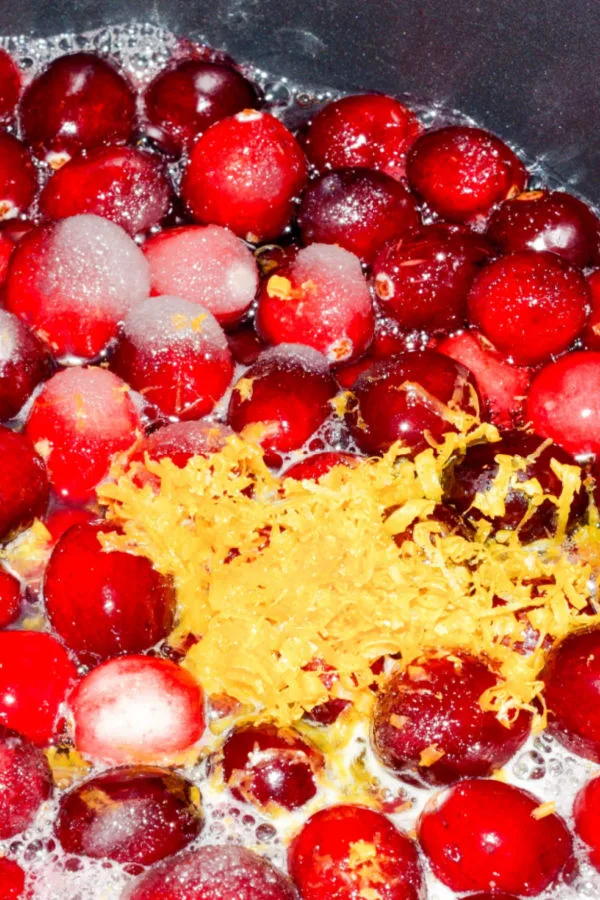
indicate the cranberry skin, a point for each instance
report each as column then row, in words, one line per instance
column 18, row 178
column 491, row 896
column 314, row 467
column 10, row 87
column 463, row 172
column 368, row 130
column 24, row 362
column 435, row 703
column 546, row 220
column 60, row 520
column 245, row 344
column 481, row 835
column 189, row 96
column 350, row 852
column 23, row 483
column 28, row 703
column 130, row 815
column 288, row 390
column 181, row 441
column 105, row 603
column 476, row 472
column 245, row 173
column 10, row 598
column 25, row 782
column 591, row 335
column 423, row 278
column 79, row 102
column 213, row 873
column 392, row 400
column 12, row 880
column 358, row 209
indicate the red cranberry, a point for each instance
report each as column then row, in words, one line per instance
column 244, row 173
column 213, row 873
column 189, row 96
column 287, row 392
column 10, row 598
column 368, row 130
column 79, row 102
column 481, row 835
column 23, row 483
column 546, row 220
column 129, row 815
column 181, row 441
column 29, row 703
column 328, row 712
column 137, row 709
column 245, row 344
column 12, row 880
column 322, row 300
column 586, row 812
column 25, row 782
column 493, row 895
column 463, row 172
column 10, row 87
column 477, row 471
column 18, row 178
column 351, row 851
column 319, row 464
column 403, row 398
column 422, row 279
column 24, row 362
column 591, row 334
column 205, row 265
column 358, row 209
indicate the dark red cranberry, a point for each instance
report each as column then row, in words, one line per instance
column 351, row 851
column 463, row 172
column 368, row 130
column 446, row 522
column 389, row 339
column 79, row 102
column 358, row 209
column 189, row 96
column 30, row 703
column 24, row 362
column 287, row 394
column 245, row 344
column 10, row 598
column 586, row 812
column 18, row 177
column 481, row 835
column 422, row 279
column 130, row 815
column 319, row 464
column 475, row 474
column 428, row 721
column 25, row 782
column 12, row 880
column 23, row 483
column 271, row 257
column 10, row 87
column 405, row 398
column 547, row 220
column 328, row 712
column 214, row 873
column 245, row 173
column 591, row 334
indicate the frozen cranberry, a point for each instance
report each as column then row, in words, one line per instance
column 546, row 220
column 245, row 173
column 80, row 418
column 564, row 402
column 412, row 397
column 80, row 101
column 359, row 209
column 319, row 464
column 18, row 178
column 481, row 835
column 189, row 96
column 321, row 300
column 502, row 385
column 129, row 815
column 286, row 393
column 24, row 362
column 351, row 851
column 61, row 519
column 35, row 676
column 463, row 172
column 591, row 334
column 181, row 441
column 245, row 344
column 12, row 880
column 369, row 130
column 25, row 782
column 205, row 265
column 10, row 598
column 423, row 278
column 23, row 483
column 137, row 709
column 10, row 87
column 74, row 281
column 213, row 873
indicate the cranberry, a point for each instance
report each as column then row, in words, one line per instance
column 213, row 873
column 447, row 523
column 30, row 703
column 422, row 279
column 475, row 475
column 23, row 483
column 358, row 209
column 79, row 102
column 61, row 519
column 176, row 354
column 314, row 467
column 463, row 172
column 352, row 852
column 322, row 300
column 10, row 87
column 564, row 402
column 205, row 265
column 80, row 418
column 137, row 709
column 18, row 178
column 493, row 895
column 586, row 812
column 328, row 712
column 24, row 362
column 403, row 398
column 129, row 815
column 502, row 385
column 25, row 782
column 244, row 173
column 12, row 880
column 10, row 598
column 245, row 344
column 287, row 392
column 591, row 335
column 190, row 95
column 481, row 835
column 546, row 220
column 181, row 441
column 368, row 130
